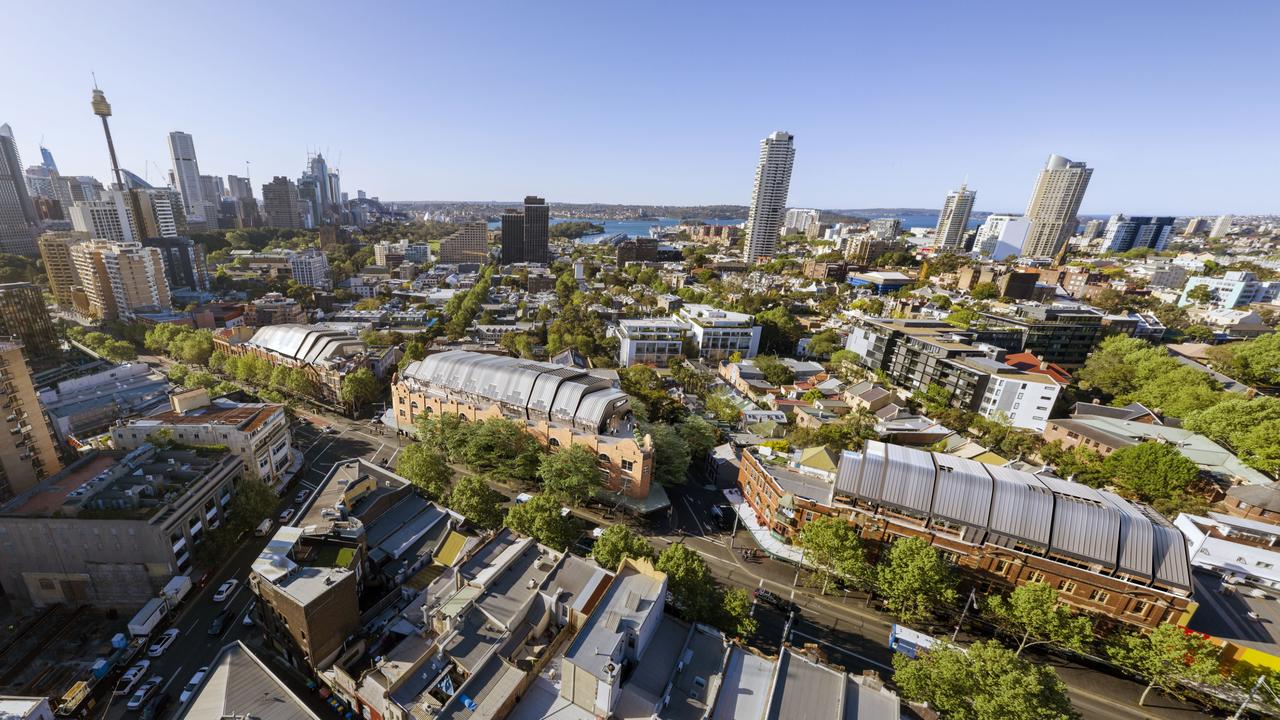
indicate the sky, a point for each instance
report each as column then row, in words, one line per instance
column 1175, row 104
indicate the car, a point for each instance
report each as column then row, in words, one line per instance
column 193, row 685
column 286, row 515
column 218, row 625
column 225, row 590
column 329, row 430
column 131, row 677
column 162, row 643
column 248, row 614
column 143, row 693
column 155, row 707
column 723, row 515
column 777, row 601
column 301, row 497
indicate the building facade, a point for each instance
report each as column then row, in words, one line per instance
column 656, row 341
column 769, row 195
column 468, row 245
column 310, row 267
column 24, row 317
column 536, row 232
column 107, row 219
column 1235, row 288
column 118, row 278
column 718, row 334
column 18, row 219
column 186, row 173
column 280, row 203
column 27, row 451
column 1009, row 231
column 184, row 262
column 953, row 221
column 1125, row 232
column 1055, row 201
column 55, row 250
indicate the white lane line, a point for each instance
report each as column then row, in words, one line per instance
column 694, row 515
column 842, row 650
column 392, row 461
column 176, row 674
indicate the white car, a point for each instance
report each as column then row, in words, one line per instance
column 286, row 515
column 192, row 686
column 131, row 677
column 163, row 642
column 225, row 590
column 144, row 693
column 301, row 497
column 248, row 614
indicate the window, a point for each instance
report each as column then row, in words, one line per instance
column 1100, row 596
column 1139, row 607
column 1067, row 587
column 1001, row 567
column 627, row 465
column 1035, row 576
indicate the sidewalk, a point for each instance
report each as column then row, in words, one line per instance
column 763, row 536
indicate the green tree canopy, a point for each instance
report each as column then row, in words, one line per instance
column 832, row 548
column 360, row 388
column 542, row 519
column 824, row 343
column 984, row 291
column 1168, row 657
column 988, row 682
column 1152, row 472
column 914, row 580
column 671, row 454
column 774, row 370
column 1033, row 614
column 736, row 619
column 570, row 475
column 427, row 468
column 689, row 580
column 474, row 499
column 618, row 542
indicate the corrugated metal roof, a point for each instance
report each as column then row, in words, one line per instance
column 1021, row 506
column 849, row 472
column 963, row 491
column 1137, row 541
column 871, row 481
column 1085, row 525
column 909, row 479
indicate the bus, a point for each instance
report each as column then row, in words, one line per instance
column 911, row 642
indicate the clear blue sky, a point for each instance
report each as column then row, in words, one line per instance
column 1175, row 104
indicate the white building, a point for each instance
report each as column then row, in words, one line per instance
column 798, row 220
column 1236, row 288
column 1025, row 398
column 1242, row 550
column 310, row 267
column 1054, row 203
column 720, row 333
column 769, row 196
column 105, row 219
column 1008, row 231
column 953, row 221
column 653, row 341
column 186, row 173
column 1221, row 226
column 885, row 228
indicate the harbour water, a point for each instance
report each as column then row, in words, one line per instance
column 633, row 228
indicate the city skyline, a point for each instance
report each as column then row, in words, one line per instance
column 868, row 146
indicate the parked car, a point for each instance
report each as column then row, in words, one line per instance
column 132, row 676
column 155, row 707
column 286, row 515
column 301, row 497
column 193, row 685
column 248, row 614
column 225, row 590
column 777, row 601
column 218, row 625
column 723, row 515
column 144, row 693
column 162, row 643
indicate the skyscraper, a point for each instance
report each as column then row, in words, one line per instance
column 1195, row 226
column 27, row 451
column 1125, row 232
column 537, row 220
column 18, row 219
column 470, row 244
column 107, row 219
column 23, row 316
column 1009, row 231
column 280, row 203
column 46, row 160
column 1221, row 226
column 184, row 261
column 186, row 171
column 161, row 213
column 1054, row 204
column 769, row 196
column 953, row 221
column 512, row 236
column 239, row 187
column 119, row 278
column 55, row 250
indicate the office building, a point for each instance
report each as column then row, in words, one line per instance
column 797, row 221
column 27, row 451
column 558, row 405
column 885, row 228
column 653, row 341
column 239, row 187
column 24, row 317
column 769, row 195
column 162, row 213
column 55, row 250
column 1233, row 289
column 953, row 221
column 186, row 173
column 113, row 528
column 18, row 219
column 1055, row 201
column 280, row 204
column 1195, row 226
column 1221, row 226
column 110, row 218
column 718, row 334
column 274, row 309
column 468, row 245
column 1125, row 232
column 310, row 267
column 184, row 262
column 39, row 182
column 512, row 236
column 537, row 220
column 257, row 433
column 118, row 278
column 1001, row 231
column 1063, row 335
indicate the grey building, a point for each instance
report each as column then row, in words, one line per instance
column 184, row 262
column 537, row 219
column 281, row 204
column 18, row 219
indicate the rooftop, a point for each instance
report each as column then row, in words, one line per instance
column 240, row 685
column 633, row 595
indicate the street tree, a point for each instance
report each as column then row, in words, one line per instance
column 699, row 435
column 671, row 454
column 618, row 542
column 735, row 610
column 987, row 682
column 427, row 468
column 359, row 388
column 1151, row 472
column 1168, row 657
column 914, row 579
column 542, row 519
column 570, row 475
column 480, row 504
column 1033, row 614
column 689, row 580
column 831, row 547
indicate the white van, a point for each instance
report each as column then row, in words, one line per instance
column 263, row 528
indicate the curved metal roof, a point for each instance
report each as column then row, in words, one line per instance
column 1021, row 506
column 909, row 478
column 963, row 491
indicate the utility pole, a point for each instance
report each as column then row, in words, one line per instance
column 733, row 533
column 967, row 601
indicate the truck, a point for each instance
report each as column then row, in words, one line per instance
column 148, row 617
column 176, row 589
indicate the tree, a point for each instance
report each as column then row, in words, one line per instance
column 699, row 435
column 1199, row 333
column 1033, row 614
column 542, row 519
column 570, row 475
column 985, row 683
column 914, row 579
column 774, row 370
column 1250, row 426
column 722, row 408
column 1200, row 294
column 735, row 611
column 1254, row 361
column 984, row 291
column 499, row 445
column 359, row 388
column 474, row 499
column 1152, row 472
column 689, row 580
column 445, row 433
column 671, row 454
column 1168, row 657
column 643, row 383
column 427, row 468
column 618, row 542
column 779, row 330
column 824, row 343
column 831, row 547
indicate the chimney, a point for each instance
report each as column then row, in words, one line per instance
column 1044, row 364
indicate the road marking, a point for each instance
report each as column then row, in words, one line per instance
column 701, row 531
column 842, row 650
column 392, row 461
column 176, row 674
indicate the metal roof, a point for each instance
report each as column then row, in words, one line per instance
column 963, row 491
column 1021, row 506
column 909, row 477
